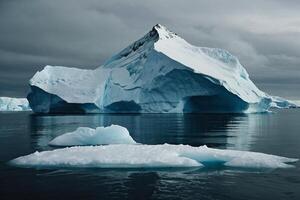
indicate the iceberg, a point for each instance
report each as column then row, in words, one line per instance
column 159, row 73
column 149, row 156
column 113, row 134
column 297, row 103
column 278, row 102
column 14, row 104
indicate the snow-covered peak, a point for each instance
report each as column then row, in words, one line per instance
column 160, row 72
column 142, row 46
column 216, row 64
column 163, row 32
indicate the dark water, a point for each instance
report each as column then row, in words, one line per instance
column 275, row 133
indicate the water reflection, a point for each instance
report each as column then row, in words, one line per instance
column 144, row 184
column 24, row 133
column 234, row 131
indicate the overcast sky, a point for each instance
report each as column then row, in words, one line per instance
column 264, row 35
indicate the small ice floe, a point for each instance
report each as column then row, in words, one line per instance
column 84, row 136
column 149, row 156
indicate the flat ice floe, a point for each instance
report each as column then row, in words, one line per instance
column 84, row 136
column 149, row 156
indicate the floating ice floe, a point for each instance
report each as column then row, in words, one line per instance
column 149, row 156
column 83, row 136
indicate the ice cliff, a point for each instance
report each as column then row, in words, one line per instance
column 14, row 104
column 159, row 73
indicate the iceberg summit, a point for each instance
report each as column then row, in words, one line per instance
column 159, row 73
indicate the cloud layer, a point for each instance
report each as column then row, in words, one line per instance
column 263, row 34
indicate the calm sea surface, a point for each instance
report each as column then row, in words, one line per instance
column 275, row 133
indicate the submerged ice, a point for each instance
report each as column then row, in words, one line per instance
column 14, row 104
column 159, row 73
column 113, row 134
column 149, row 156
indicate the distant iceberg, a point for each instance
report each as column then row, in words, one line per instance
column 297, row 103
column 84, row 136
column 14, row 104
column 278, row 102
column 159, row 73
column 149, row 156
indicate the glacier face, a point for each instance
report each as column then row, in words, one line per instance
column 159, row 73
column 14, row 104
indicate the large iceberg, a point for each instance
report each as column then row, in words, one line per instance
column 159, row 73
column 83, row 136
column 149, row 156
column 14, row 104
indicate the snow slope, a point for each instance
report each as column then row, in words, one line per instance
column 14, row 104
column 83, row 136
column 149, row 156
column 159, row 73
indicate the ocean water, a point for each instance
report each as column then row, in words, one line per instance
column 274, row 133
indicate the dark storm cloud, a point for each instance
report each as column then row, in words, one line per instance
column 264, row 35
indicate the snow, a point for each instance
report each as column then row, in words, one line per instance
column 159, row 73
column 149, row 156
column 84, row 86
column 113, row 134
column 216, row 63
column 14, row 104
